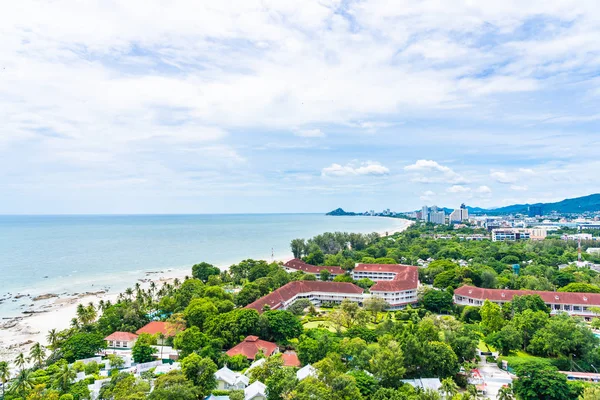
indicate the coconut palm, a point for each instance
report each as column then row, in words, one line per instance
column 505, row 393
column 20, row 361
column 4, row 374
column 22, row 384
column 52, row 339
column 37, row 354
column 64, row 377
column 129, row 293
column 449, row 388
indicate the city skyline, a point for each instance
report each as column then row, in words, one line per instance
column 263, row 107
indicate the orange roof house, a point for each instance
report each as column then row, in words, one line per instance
column 251, row 346
column 290, row 359
column 167, row 329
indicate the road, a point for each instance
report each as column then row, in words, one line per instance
column 494, row 378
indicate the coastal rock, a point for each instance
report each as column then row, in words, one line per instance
column 45, row 296
column 34, row 312
column 19, row 296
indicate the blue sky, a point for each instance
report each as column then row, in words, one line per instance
column 268, row 106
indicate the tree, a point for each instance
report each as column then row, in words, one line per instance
column 309, row 389
column 189, row 341
column 505, row 393
column 64, row 377
column 298, row 247
column 580, row 287
column 528, row 302
column 249, row 293
column 343, row 278
column 52, row 338
column 367, row 384
column 298, row 307
column 590, row 393
column 82, row 345
column 231, row 326
column 387, row 364
column 280, row 383
column 281, row 325
column 4, row 375
column 437, row 301
column 506, row 340
column 173, row 386
column 200, row 371
column 325, row 275
column 375, row 305
column 540, row 381
column 449, row 388
column 491, row 317
column 142, row 350
column 439, row 360
column 22, row 384
column 37, row 354
column 199, row 310
column 528, row 323
column 563, row 335
column 115, row 361
column 203, row 270
column 20, row 361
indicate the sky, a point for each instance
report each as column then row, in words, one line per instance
column 187, row 106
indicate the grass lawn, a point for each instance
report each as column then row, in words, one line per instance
column 315, row 324
column 484, row 347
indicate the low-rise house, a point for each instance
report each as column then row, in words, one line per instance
column 290, row 359
column 230, row 380
column 256, row 391
column 298, row 265
column 251, row 346
column 572, row 303
column 121, row 340
column 162, row 330
column 424, row 383
column 305, row 372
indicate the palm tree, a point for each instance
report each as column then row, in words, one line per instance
column 22, row 384
column 52, row 339
column 64, row 377
column 449, row 388
column 505, row 393
column 20, row 361
column 4, row 374
column 37, row 354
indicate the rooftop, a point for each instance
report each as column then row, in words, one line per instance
column 251, row 346
column 406, row 278
column 159, row 327
column 288, row 291
column 121, row 336
column 300, row 265
column 592, row 299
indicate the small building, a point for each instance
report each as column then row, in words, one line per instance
column 256, row 391
column 161, row 330
column 230, row 380
column 305, row 372
column 251, row 346
column 396, row 284
column 424, row 383
column 296, row 264
column 290, row 359
column 121, row 340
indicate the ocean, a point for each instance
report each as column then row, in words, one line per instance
column 68, row 254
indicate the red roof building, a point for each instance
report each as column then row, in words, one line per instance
column 167, row 329
column 298, row 265
column 121, row 340
column 315, row 291
column 572, row 303
column 397, row 284
column 251, row 346
column 290, row 359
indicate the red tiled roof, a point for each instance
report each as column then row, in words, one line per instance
column 290, row 359
column 300, row 265
column 407, row 277
column 156, row 327
column 122, row 336
column 288, row 291
column 593, row 299
column 251, row 346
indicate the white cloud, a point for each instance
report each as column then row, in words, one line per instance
column 309, row 133
column 429, row 171
column 458, row 189
column 368, row 168
column 503, row 177
column 427, row 195
column 520, row 188
column 483, row 189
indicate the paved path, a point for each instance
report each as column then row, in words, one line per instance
column 494, row 378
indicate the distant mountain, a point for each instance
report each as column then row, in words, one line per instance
column 339, row 211
column 569, row 206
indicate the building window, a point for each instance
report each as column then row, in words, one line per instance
column 567, row 307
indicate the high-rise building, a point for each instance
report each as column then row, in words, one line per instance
column 437, row 217
column 425, row 213
column 460, row 214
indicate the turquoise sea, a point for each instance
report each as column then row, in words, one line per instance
column 67, row 254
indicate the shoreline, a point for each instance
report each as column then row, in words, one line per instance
column 50, row 310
